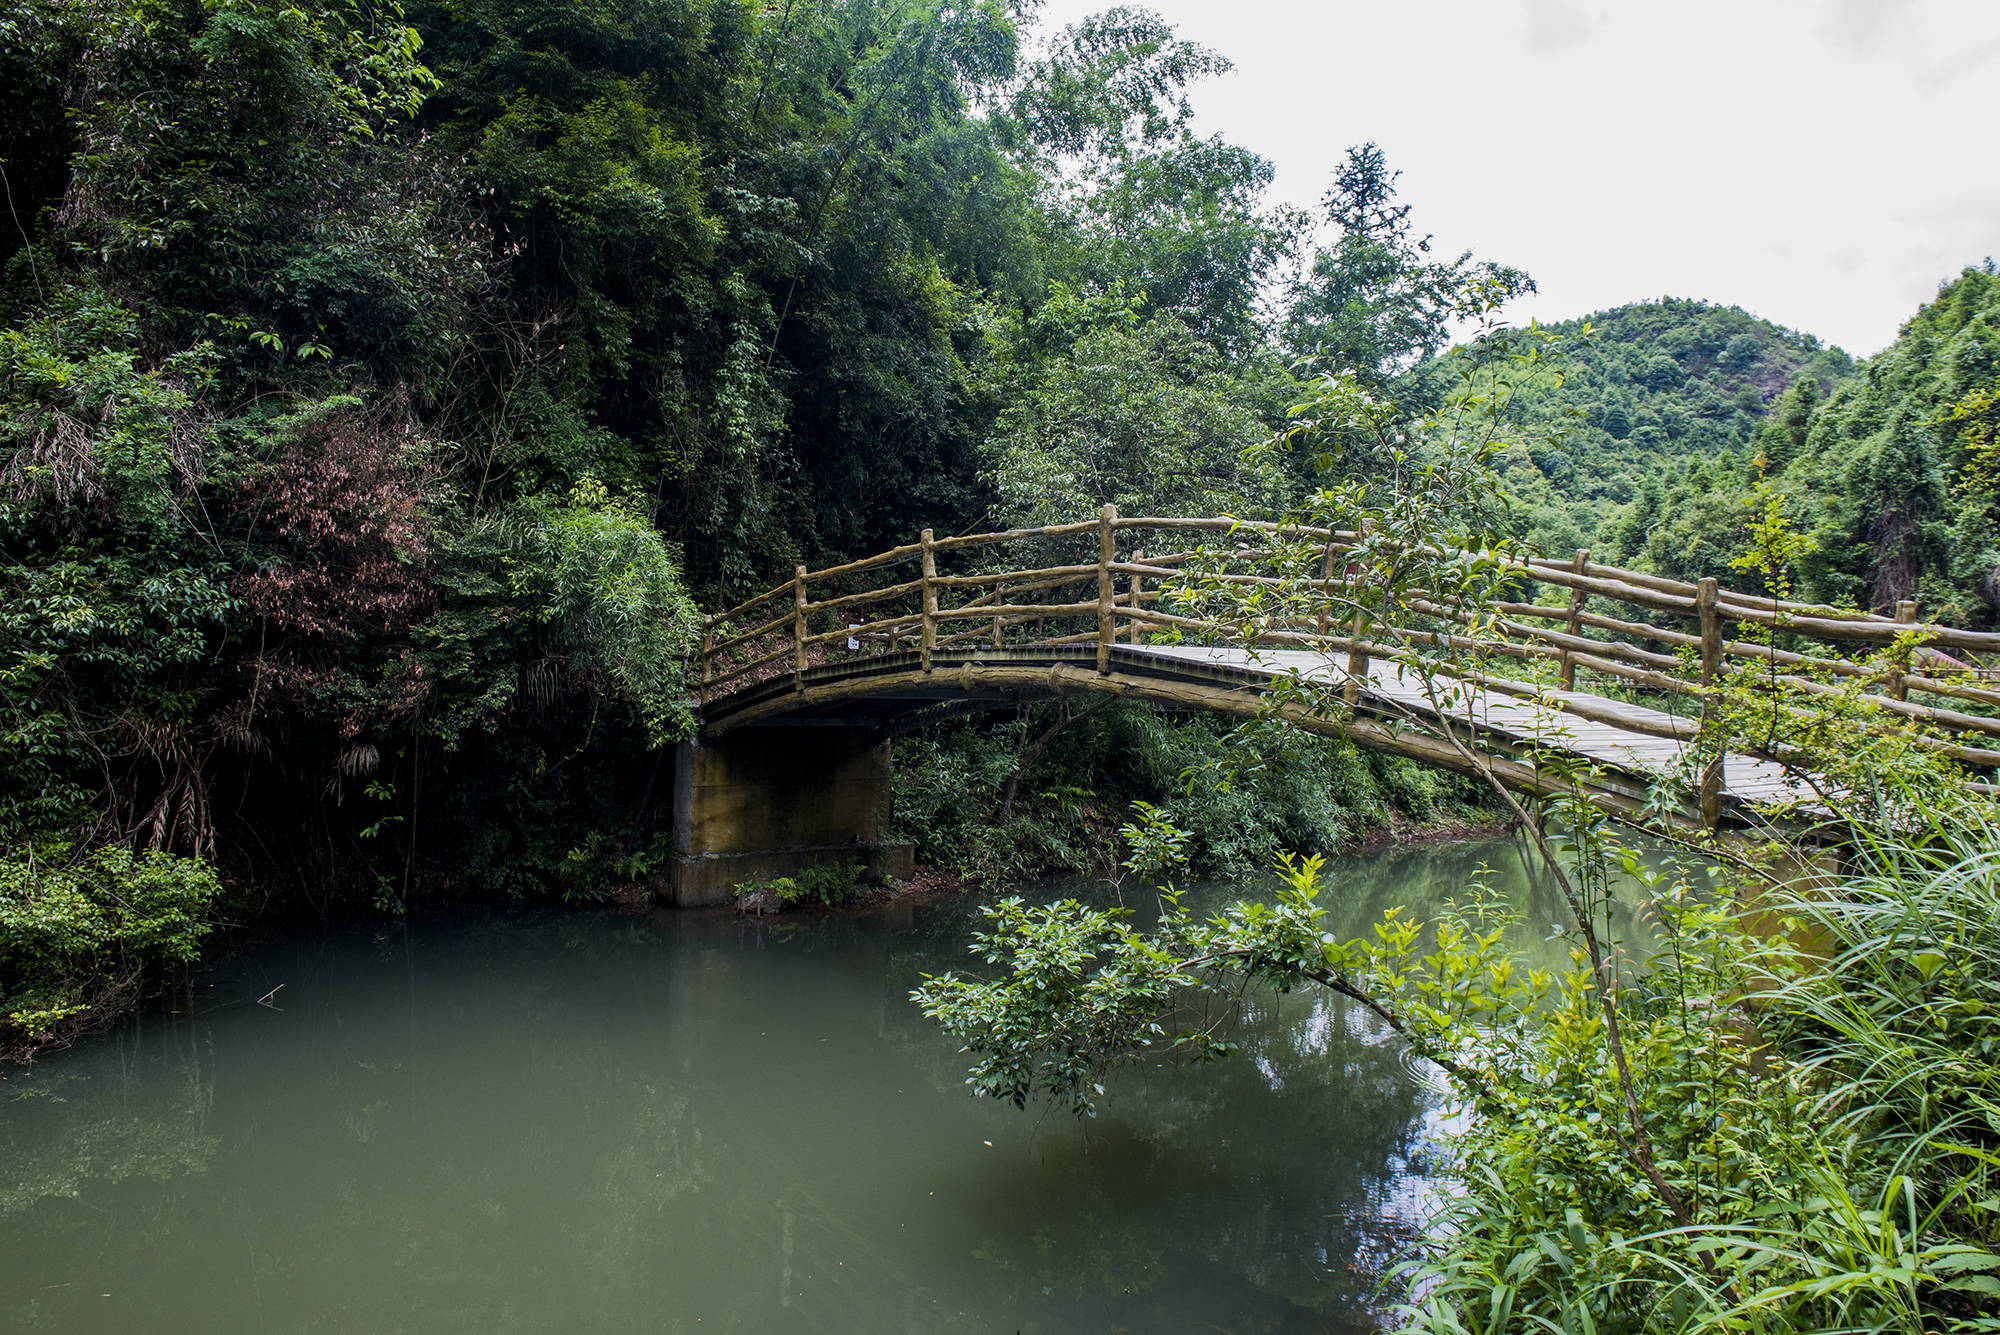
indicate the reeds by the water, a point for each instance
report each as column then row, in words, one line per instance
column 1831, row 1111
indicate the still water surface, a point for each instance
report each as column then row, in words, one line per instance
column 694, row 1123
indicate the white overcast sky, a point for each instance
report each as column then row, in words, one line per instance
column 1821, row 163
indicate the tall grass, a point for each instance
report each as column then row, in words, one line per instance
column 1899, row 1025
column 1826, row 1099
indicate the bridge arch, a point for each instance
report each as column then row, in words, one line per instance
column 804, row 685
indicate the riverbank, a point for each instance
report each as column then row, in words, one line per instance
column 1455, row 826
column 1447, row 828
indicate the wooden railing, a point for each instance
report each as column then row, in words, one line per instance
column 1091, row 582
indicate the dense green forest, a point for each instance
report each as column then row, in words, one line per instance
column 1888, row 473
column 1675, row 419
column 1652, row 389
column 382, row 392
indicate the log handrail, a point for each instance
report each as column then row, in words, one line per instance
column 1605, row 580
column 1573, row 620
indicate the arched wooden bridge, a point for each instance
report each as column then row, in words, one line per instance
column 805, row 681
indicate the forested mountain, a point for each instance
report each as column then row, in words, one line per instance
column 1896, row 471
column 1649, row 391
column 1888, row 472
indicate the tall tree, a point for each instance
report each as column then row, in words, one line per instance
column 1374, row 304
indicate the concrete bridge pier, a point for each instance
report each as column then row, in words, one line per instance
column 763, row 802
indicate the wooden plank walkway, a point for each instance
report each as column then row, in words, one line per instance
column 1390, row 691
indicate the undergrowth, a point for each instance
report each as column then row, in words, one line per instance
column 1827, row 1114
column 1298, row 793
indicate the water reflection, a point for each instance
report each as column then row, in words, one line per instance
column 693, row 1123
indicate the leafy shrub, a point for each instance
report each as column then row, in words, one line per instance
column 830, row 882
column 1285, row 791
column 607, row 589
column 80, row 932
column 826, row 883
column 1825, row 1116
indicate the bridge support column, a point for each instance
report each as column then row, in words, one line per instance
column 763, row 802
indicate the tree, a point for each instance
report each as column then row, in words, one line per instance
column 1183, row 224
column 1110, row 87
column 1374, row 304
column 1140, row 413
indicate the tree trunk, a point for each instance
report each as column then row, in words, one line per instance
column 1037, row 747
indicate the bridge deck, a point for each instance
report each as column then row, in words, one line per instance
column 1636, row 749
column 1631, row 746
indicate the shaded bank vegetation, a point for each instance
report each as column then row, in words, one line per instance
column 953, row 787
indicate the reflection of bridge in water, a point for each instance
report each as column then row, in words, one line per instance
column 802, row 685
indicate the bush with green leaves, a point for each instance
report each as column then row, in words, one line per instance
column 82, row 934
column 1287, row 791
column 607, row 589
column 822, row 883
column 831, row 882
column 1828, row 1114
column 111, row 606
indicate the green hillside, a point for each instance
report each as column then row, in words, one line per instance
column 1648, row 391
column 1889, row 471
column 1894, row 475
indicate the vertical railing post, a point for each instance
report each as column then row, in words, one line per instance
column 1895, row 687
column 1357, row 657
column 1105, row 619
column 1357, row 662
column 929, row 640
column 999, row 600
column 1716, row 743
column 1574, row 626
column 1134, row 588
column 798, row 628
column 1326, row 589
column 707, row 668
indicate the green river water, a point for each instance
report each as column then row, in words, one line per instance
column 696, row 1123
